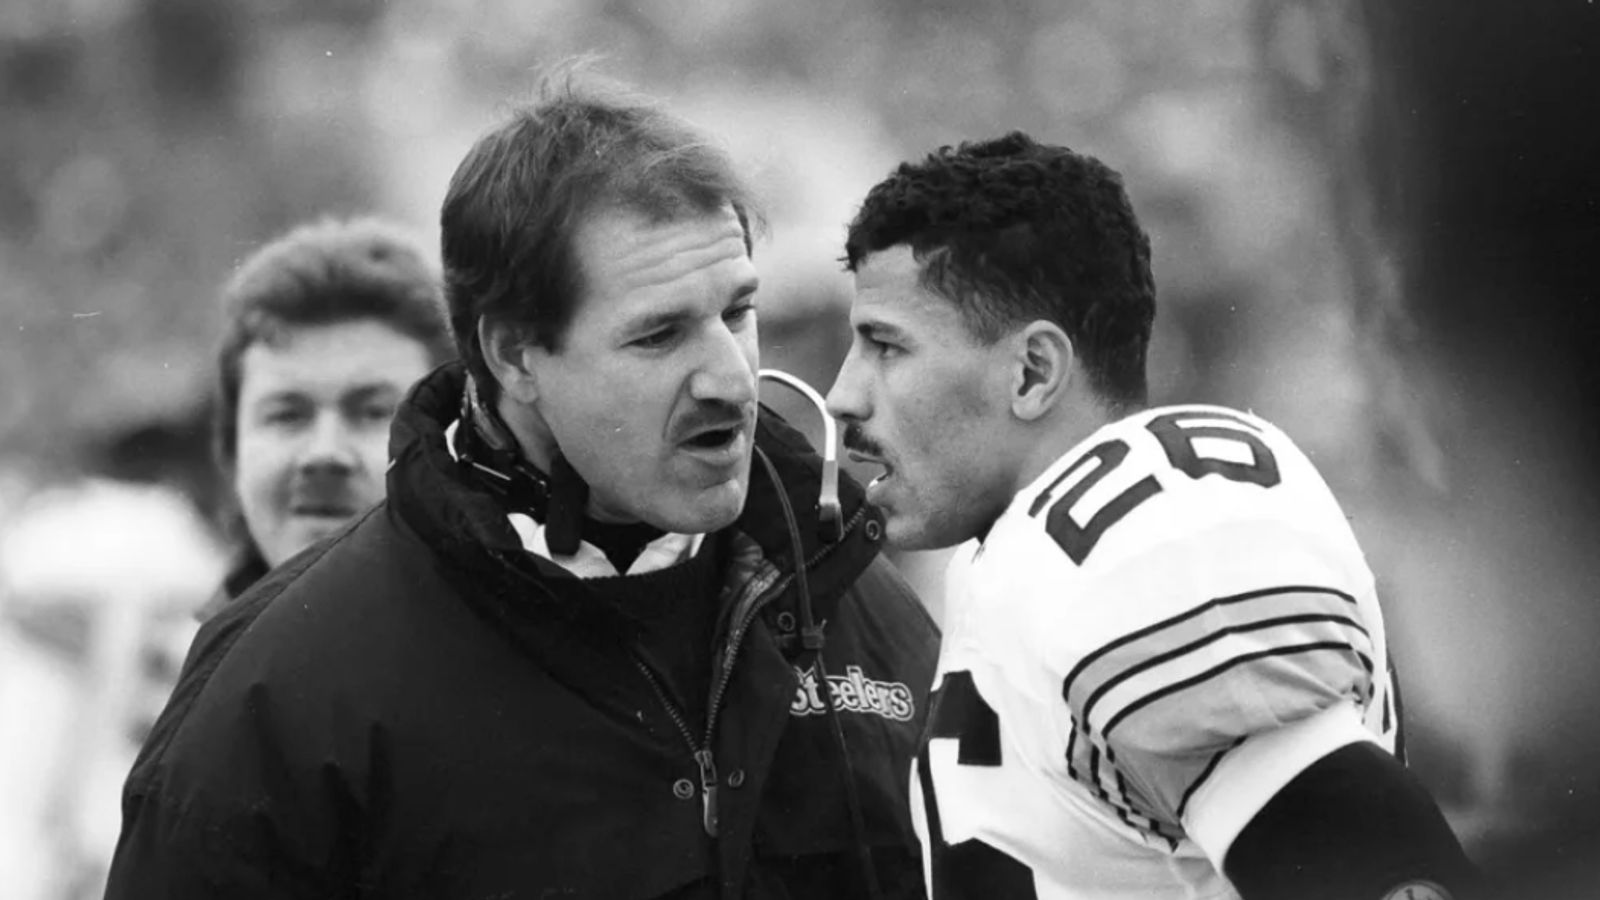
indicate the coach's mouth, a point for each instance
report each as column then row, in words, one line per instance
column 714, row 438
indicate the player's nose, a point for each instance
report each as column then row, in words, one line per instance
column 847, row 399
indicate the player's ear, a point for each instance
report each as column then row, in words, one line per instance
column 1042, row 369
column 506, row 351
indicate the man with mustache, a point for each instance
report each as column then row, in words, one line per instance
column 598, row 641
column 1164, row 670
column 326, row 329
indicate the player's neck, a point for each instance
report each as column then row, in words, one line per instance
column 1058, row 435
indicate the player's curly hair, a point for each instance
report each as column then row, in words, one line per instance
column 1012, row 231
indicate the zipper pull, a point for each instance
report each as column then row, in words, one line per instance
column 708, row 789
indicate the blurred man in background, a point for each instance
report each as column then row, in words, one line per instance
column 1164, row 669
column 326, row 329
column 579, row 650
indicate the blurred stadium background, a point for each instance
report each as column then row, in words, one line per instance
column 1375, row 224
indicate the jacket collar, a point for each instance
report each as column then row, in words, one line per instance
column 464, row 522
column 245, row 568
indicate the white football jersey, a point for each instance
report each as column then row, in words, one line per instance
column 1164, row 629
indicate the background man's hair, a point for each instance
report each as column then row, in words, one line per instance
column 517, row 200
column 320, row 273
column 1012, row 231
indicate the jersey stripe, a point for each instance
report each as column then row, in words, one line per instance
column 1096, row 768
column 1193, row 627
column 1097, row 783
column 1144, row 821
column 1216, row 758
column 1122, row 714
column 1277, row 622
column 1123, row 810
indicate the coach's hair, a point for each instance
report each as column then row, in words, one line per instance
column 324, row 272
column 1012, row 231
column 519, row 197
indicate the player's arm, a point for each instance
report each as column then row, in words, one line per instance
column 1354, row 825
column 1258, row 750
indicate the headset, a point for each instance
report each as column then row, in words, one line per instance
column 559, row 499
column 831, row 521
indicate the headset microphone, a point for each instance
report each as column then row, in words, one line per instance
column 831, row 518
column 560, row 498
column 831, row 521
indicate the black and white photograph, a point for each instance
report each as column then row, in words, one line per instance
column 747, row 449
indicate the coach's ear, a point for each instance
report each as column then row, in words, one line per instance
column 1042, row 369
column 506, row 351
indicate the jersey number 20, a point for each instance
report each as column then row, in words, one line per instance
column 1177, row 437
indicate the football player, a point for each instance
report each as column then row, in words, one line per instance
column 1164, row 671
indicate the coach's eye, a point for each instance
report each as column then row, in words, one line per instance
column 655, row 339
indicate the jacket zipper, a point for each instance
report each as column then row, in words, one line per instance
column 701, row 751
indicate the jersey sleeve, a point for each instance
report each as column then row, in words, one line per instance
column 1224, row 637
column 1275, row 674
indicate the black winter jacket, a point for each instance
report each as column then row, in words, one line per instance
column 407, row 711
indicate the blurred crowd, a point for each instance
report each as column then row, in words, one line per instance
column 152, row 146
column 101, row 580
